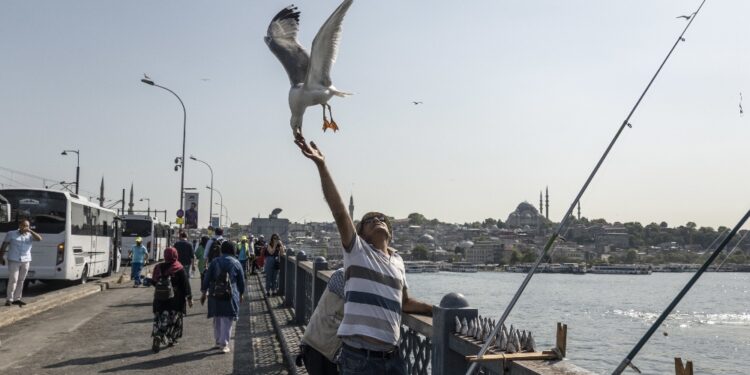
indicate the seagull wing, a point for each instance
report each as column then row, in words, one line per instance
column 325, row 46
column 281, row 38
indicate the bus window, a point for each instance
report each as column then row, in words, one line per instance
column 4, row 210
column 135, row 228
column 44, row 209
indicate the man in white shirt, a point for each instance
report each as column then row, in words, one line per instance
column 19, row 258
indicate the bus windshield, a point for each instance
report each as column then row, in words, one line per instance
column 136, row 227
column 44, row 209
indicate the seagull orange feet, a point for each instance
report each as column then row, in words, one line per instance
column 326, row 125
column 333, row 126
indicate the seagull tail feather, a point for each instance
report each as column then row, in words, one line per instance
column 340, row 94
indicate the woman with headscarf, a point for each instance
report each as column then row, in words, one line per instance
column 272, row 264
column 169, row 306
column 223, row 286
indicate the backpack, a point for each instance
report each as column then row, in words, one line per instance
column 221, row 288
column 215, row 250
column 164, row 289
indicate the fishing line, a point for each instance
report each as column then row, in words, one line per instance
column 628, row 360
column 732, row 251
column 565, row 219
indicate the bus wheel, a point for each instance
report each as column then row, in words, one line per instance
column 85, row 274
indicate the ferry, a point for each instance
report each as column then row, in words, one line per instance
column 463, row 267
column 413, row 267
column 622, row 269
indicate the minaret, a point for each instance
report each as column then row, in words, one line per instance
column 101, row 193
column 546, row 195
column 579, row 210
column 351, row 207
column 130, row 205
column 541, row 204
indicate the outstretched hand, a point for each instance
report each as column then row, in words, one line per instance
column 310, row 151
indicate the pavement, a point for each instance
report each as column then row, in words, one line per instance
column 110, row 332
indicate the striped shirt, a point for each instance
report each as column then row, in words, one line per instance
column 373, row 293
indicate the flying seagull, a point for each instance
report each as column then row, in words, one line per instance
column 742, row 112
column 146, row 76
column 685, row 17
column 416, row 103
column 309, row 74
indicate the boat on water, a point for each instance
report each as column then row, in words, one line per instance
column 413, row 267
column 622, row 269
column 463, row 267
column 571, row 268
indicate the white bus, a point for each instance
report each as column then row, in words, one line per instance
column 79, row 238
column 156, row 236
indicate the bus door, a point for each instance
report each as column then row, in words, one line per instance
column 116, row 239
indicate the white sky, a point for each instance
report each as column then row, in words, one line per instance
column 517, row 95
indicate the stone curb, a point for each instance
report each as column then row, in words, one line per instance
column 289, row 355
column 56, row 298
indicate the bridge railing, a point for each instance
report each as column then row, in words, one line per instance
column 430, row 345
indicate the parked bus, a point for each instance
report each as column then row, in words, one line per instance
column 78, row 236
column 156, row 236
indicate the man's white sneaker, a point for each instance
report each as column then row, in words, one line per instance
column 225, row 349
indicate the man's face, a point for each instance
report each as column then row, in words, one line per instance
column 24, row 226
column 374, row 225
column 192, row 206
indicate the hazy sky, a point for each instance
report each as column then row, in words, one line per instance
column 518, row 95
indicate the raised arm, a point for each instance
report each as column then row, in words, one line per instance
column 331, row 194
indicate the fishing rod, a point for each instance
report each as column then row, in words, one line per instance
column 732, row 251
column 628, row 360
column 563, row 222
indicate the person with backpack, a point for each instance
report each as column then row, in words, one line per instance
column 258, row 252
column 213, row 246
column 171, row 294
column 223, row 286
column 272, row 255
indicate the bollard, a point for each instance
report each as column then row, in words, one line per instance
column 444, row 360
column 299, row 289
column 320, row 264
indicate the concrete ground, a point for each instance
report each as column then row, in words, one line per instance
column 110, row 332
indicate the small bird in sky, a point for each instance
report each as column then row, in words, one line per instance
column 685, row 17
column 742, row 112
column 146, row 76
column 416, row 103
column 205, row 79
column 309, row 73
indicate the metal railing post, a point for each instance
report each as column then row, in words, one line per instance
column 445, row 361
column 289, row 281
column 299, row 289
column 318, row 285
column 282, row 276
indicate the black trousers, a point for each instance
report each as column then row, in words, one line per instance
column 317, row 364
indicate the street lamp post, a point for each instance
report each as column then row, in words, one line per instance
column 78, row 165
column 211, row 198
column 184, row 131
column 148, row 200
column 221, row 198
column 224, row 209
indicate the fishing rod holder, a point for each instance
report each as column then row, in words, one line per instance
column 496, row 353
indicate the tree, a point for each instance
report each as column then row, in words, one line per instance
column 664, row 225
column 416, row 218
column 420, row 252
column 488, row 222
column 631, row 256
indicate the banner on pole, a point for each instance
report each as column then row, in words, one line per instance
column 191, row 210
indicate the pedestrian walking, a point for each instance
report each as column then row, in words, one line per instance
column 19, row 258
column 320, row 345
column 243, row 249
column 138, row 256
column 185, row 253
column 171, row 295
column 200, row 254
column 258, row 247
column 211, row 250
column 273, row 251
column 223, row 286
column 376, row 291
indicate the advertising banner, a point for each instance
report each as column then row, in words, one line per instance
column 191, row 210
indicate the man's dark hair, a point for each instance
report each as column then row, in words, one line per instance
column 228, row 247
column 183, row 235
column 219, row 231
column 204, row 241
column 361, row 224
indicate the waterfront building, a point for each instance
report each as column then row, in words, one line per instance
column 268, row 226
column 526, row 216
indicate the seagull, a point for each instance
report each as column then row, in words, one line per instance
column 416, row 103
column 309, row 74
column 205, row 79
column 146, row 76
column 742, row 112
column 685, row 17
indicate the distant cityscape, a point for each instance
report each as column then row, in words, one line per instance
column 517, row 238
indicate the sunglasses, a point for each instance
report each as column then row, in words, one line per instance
column 372, row 219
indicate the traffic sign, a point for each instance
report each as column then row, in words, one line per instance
column 180, row 221
column 180, row 213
